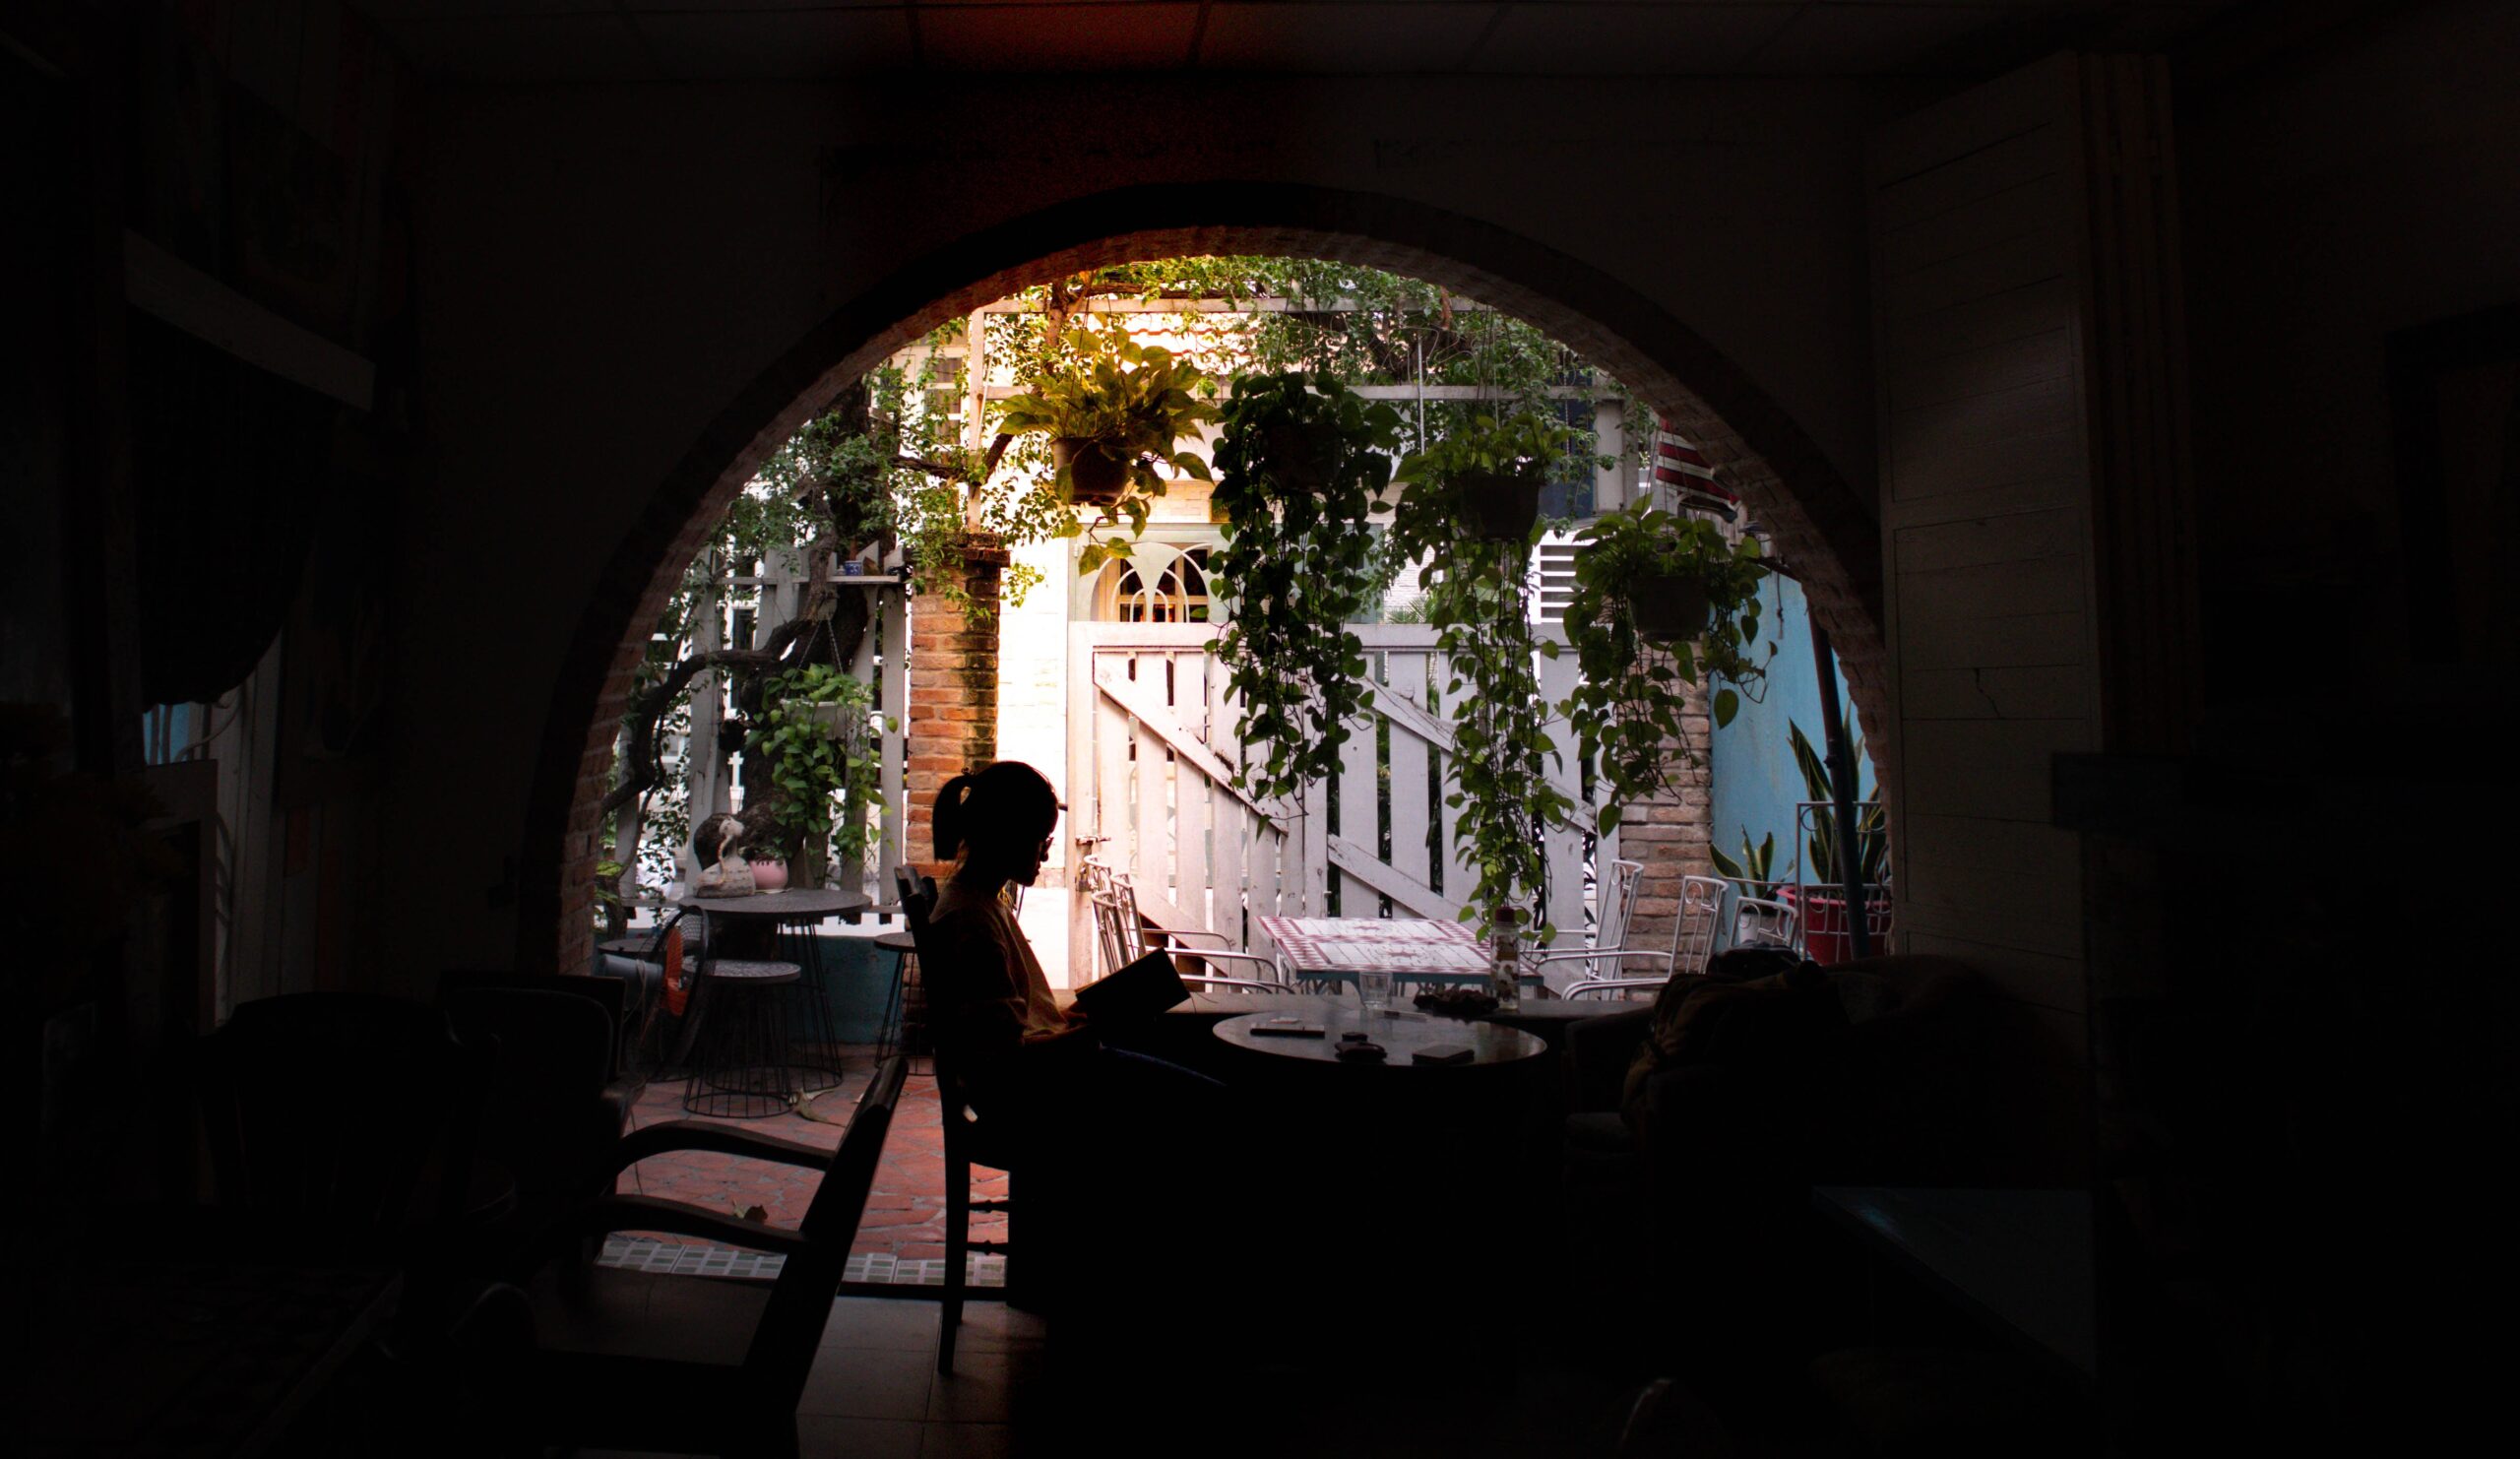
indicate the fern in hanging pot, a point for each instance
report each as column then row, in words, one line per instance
column 1114, row 410
column 1300, row 465
column 1662, row 603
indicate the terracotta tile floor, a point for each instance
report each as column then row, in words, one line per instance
column 905, row 1215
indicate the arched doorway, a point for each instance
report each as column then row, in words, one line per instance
column 1756, row 449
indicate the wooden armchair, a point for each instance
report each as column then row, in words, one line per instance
column 630, row 1360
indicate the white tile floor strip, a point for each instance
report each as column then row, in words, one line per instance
column 699, row 1259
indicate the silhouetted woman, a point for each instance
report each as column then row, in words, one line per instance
column 1104, row 1143
column 1005, row 1026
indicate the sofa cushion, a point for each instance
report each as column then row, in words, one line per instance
column 1764, row 1020
column 1862, row 995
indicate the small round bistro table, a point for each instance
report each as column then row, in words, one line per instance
column 1401, row 1035
column 793, row 914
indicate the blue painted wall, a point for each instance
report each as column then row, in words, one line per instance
column 1756, row 783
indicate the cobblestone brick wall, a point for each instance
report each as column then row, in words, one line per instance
column 1669, row 834
column 953, row 693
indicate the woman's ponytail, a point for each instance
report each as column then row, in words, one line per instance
column 946, row 827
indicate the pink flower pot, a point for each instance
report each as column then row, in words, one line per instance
column 769, row 877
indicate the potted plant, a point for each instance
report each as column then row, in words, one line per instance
column 1662, row 603
column 769, row 871
column 1488, row 478
column 1475, row 586
column 1113, row 413
column 1754, row 873
column 811, row 756
column 1300, row 467
column 1820, row 902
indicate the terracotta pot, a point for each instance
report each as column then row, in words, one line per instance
column 1094, row 476
column 1828, row 934
column 1500, row 506
column 1669, row 606
column 769, row 877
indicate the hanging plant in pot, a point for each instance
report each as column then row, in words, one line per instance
column 1662, row 603
column 1114, row 410
column 1300, row 465
column 1485, row 481
column 1476, row 584
column 811, row 741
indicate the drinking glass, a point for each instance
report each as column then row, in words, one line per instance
column 1373, row 988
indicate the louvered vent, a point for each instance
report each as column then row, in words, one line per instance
column 1556, row 576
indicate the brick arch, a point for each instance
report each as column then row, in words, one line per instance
column 1818, row 523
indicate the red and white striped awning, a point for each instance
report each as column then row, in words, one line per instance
column 1679, row 466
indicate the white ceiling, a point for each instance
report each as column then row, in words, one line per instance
column 494, row 40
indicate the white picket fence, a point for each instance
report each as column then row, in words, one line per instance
column 1151, row 789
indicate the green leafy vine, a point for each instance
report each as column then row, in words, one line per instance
column 1299, row 469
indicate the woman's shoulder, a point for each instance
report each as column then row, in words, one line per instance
column 966, row 914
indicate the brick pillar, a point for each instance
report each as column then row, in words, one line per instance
column 1669, row 834
column 953, row 691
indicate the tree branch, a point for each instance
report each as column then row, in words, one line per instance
column 644, row 758
column 931, row 467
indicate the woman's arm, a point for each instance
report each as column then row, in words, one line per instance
column 983, row 996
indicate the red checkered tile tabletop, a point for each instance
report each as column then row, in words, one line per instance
column 1329, row 946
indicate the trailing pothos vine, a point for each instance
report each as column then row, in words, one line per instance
column 811, row 737
column 1628, row 709
column 1299, row 469
column 1477, row 597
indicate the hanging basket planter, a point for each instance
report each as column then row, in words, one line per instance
column 1668, row 608
column 1296, row 457
column 1095, row 478
column 842, row 725
column 1500, row 506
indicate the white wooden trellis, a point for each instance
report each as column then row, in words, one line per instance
column 1152, row 785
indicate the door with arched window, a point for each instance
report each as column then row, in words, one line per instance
column 1158, row 583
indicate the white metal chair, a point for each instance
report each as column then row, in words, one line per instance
column 1125, row 938
column 1758, row 921
column 1602, row 960
column 1701, row 917
column 1692, row 942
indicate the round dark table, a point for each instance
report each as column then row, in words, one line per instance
column 795, row 911
column 793, row 905
column 1407, row 1180
column 1401, row 1035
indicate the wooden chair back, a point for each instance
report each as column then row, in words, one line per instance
column 343, row 1113
column 783, row 1348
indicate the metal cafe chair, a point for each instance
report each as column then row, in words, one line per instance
column 1692, row 942
column 1609, row 941
column 1125, row 937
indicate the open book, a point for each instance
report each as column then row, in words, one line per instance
column 1140, row 990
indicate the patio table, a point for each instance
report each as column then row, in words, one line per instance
column 792, row 916
column 1334, row 949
